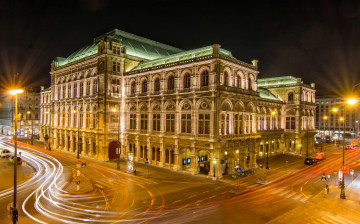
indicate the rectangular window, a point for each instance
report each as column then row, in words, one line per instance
column 88, row 88
column 95, row 88
column 170, row 122
column 69, row 91
column 133, row 121
column 75, row 90
column 236, row 124
column 144, row 122
column 204, row 124
column 95, row 120
column 87, row 122
column 290, row 123
column 156, row 122
column 63, row 91
column 185, row 123
column 81, row 119
column 81, row 89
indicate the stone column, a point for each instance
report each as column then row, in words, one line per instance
column 253, row 155
column 176, row 166
column 194, row 162
column 162, row 155
column 66, row 142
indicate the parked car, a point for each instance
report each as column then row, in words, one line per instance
column 320, row 156
column 310, row 161
column 4, row 153
column 18, row 160
column 348, row 147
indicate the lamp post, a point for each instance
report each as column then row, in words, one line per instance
column 237, row 152
column 32, row 127
column 349, row 102
column 78, row 132
column 15, row 93
column 325, row 119
column 267, row 155
column 273, row 113
column 307, row 136
column 118, row 141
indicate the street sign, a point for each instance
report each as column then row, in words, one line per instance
column 83, row 165
column 78, row 182
column 340, row 175
column 352, row 172
column 323, row 179
column 238, row 170
column 146, row 163
column 345, row 169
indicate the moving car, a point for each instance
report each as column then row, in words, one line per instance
column 320, row 156
column 348, row 147
column 4, row 153
column 18, row 160
column 310, row 161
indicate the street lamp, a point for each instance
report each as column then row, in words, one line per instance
column 325, row 118
column 78, row 133
column 350, row 102
column 32, row 127
column 267, row 155
column 15, row 93
column 118, row 142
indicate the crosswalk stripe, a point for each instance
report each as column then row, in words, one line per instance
column 277, row 190
column 290, row 195
column 340, row 219
column 297, row 197
column 283, row 193
column 347, row 220
column 324, row 221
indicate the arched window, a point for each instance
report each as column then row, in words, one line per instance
column 238, row 81
column 133, row 87
column 187, row 80
column 290, row 97
column 171, row 83
column 205, row 78
column 226, row 79
column 250, row 84
column 157, row 84
column 144, row 86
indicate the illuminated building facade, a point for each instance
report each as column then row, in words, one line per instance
column 183, row 110
column 332, row 126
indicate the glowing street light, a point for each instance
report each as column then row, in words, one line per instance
column 350, row 102
column 15, row 93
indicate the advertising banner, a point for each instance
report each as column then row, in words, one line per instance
column 130, row 162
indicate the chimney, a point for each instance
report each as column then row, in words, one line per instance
column 255, row 63
column 216, row 49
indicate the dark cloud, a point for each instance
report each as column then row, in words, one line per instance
column 316, row 40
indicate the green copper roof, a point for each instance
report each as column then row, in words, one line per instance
column 180, row 57
column 266, row 94
column 82, row 53
column 135, row 46
column 276, row 81
column 139, row 46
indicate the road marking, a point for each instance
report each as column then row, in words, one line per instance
column 277, row 190
column 304, row 199
column 290, row 195
column 283, row 193
column 340, row 219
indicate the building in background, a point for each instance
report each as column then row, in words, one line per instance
column 197, row 110
column 332, row 126
column 28, row 114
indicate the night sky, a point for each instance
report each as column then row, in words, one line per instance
column 315, row 40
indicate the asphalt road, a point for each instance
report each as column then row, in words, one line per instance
column 292, row 192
